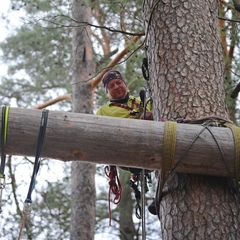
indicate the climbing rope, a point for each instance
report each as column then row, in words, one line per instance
column 5, row 113
column 28, row 201
column 114, row 187
column 170, row 143
column 143, row 190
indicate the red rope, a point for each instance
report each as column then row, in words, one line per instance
column 114, row 187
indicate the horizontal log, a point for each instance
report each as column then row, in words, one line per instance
column 116, row 141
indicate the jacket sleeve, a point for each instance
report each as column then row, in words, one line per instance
column 99, row 111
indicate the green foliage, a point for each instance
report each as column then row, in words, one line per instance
column 229, row 33
column 39, row 61
column 38, row 56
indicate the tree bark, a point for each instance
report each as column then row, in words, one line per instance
column 125, row 207
column 186, row 78
column 116, row 141
column 83, row 174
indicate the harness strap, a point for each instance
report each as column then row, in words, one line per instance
column 122, row 106
column 28, row 201
column 126, row 106
column 41, row 135
column 5, row 113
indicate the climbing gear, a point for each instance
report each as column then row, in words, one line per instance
column 169, row 150
column 168, row 153
column 142, row 106
column 138, row 210
column 147, row 90
column 140, row 196
column 145, row 70
column 28, row 200
column 5, row 113
column 146, row 75
column 114, row 187
column 131, row 109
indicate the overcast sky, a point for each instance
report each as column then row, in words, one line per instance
column 6, row 27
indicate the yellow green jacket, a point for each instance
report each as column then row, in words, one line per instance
column 130, row 109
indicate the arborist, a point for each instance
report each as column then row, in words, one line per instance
column 122, row 104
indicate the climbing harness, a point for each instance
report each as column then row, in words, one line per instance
column 28, row 200
column 5, row 113
column 114, row 187
column 131, row 110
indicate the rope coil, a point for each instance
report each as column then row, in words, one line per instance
column 114, row 187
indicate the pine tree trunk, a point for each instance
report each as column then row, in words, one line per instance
column 127, row 229
column 187, row 76
column 83, row 174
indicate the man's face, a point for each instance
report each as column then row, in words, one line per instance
column 117, row 89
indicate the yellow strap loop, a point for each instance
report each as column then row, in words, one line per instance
column 6, row 125
column 169, row 146
column 236, row 136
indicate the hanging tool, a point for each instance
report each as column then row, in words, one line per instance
column 142, row 102
column 5, row 113
column 28, row 201
column 138, row 210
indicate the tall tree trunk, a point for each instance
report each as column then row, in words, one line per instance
column 126, row 225
column 83, row 174
column 187, row 75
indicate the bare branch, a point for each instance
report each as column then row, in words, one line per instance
column 114, row 62
column 67, row 97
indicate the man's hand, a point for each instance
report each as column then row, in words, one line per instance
column 148, row 116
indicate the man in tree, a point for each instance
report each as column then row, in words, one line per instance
column 121, row 104
column 124, row 105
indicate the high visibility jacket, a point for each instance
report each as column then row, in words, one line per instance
column 130, row 109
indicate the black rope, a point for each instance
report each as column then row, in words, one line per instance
column 41, row 135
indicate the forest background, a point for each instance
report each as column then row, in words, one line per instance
column 38, row 56
column 27, row 81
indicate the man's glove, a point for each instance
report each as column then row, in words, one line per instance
column 148, row 116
